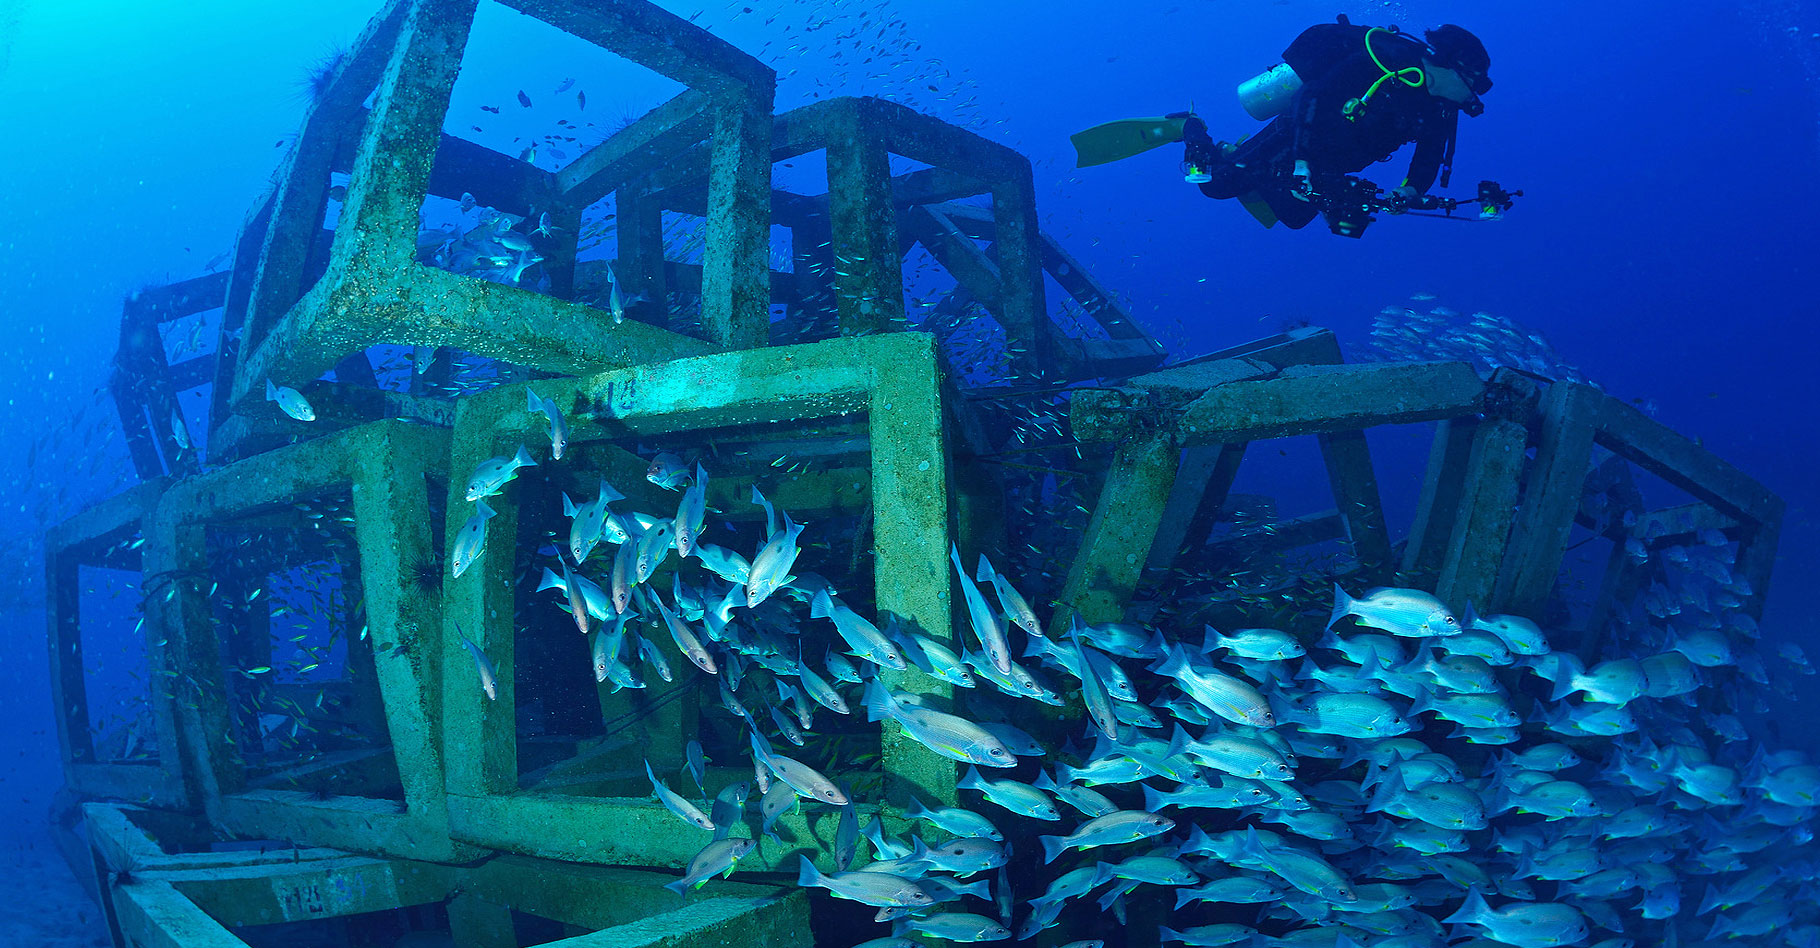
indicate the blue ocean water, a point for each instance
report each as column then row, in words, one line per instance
column 1665, row 244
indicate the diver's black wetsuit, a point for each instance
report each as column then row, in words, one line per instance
column 1315, row 127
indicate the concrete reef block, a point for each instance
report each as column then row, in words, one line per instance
column 384, row 467
column 101, row 536
column 891, row 380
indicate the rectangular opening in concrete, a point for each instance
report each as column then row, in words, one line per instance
column 579, row 736
column 111, row 678
column 526, row 83
column 118, row 683
column 529, row 102
column 304, row 707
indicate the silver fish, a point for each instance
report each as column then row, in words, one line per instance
column 1010, row 601
column 559, row 429
column 869, row 888
column 491, row 475
column 690, row 513
column 488, row 679
column 862, row 637
column 588, row 521
column 949, row 735
column 716, row 858
column 291, row 402
column 986, row 626
column 470, row 540
column 672, row 801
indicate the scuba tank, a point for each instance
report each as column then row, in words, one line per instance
column 1265, row 95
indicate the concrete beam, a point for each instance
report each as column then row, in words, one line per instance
column 729, row 922
column 658, row 40
column 735, row 283
column 1681, row 461
column 325, row 888
column 156, row 915
column 1564, row 444
column 1319, row 399
column 640, row 148
column 1120, row 532
column 1479, row 534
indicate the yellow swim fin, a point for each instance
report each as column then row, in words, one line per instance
column 1122, row 139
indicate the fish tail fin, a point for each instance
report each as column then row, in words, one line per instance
column 1474, row 909
column 523, row 458
column 533, row 403
column 1155, row 800
column 984, row 574
column 1174, row 662
column 1252, row 846
column 879, row 703
column 1053, row 846
column 1342, row 606
column 271, row 391
column 679, row 887
column 954, row 556
column 1211, row 639
column 568, row 506
column 807, row 874
column 608, row 494
column 971, row 779
column 550, row 580
column 488, row 513
column 822, row 606
column 916, row 810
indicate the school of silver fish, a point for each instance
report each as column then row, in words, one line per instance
column 1409, row 778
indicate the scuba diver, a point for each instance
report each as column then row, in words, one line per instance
column 1344, row 97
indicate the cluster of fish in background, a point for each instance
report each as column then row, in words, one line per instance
column 1401, row 333
column 1402, row 772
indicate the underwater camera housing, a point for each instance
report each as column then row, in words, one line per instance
column 1351, row 203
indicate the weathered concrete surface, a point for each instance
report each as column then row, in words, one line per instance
column 730, row 922
column 325, row 888
column 1556, row 479
column 1316, row 399
column 1486, row 507
column 156, row 915
column 1119, row 534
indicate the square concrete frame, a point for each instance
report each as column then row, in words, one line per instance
column 375, row 292
column 859, row 216
column 1164, row 423
column 190, row 900
column 1575, row 417
column 93, row 538
column 384, row 465
column 145, row 385
column 892, row 378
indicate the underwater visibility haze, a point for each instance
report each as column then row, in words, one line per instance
column 1117, row 620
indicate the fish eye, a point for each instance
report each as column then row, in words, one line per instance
column 996, row 751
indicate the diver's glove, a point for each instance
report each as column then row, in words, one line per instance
column 1300, row 187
